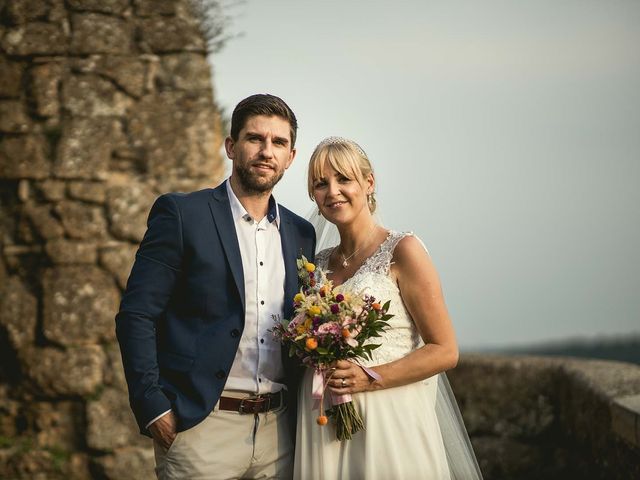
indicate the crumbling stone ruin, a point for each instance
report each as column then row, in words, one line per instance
column 104, row 104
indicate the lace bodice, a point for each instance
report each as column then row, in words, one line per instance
column 373, row 278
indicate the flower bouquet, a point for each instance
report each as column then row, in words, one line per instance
column 331, row 324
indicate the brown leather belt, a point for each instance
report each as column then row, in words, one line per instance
column 258, row 404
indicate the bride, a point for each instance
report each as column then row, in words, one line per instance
column 412, row 425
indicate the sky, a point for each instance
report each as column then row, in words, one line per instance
column 505, row 134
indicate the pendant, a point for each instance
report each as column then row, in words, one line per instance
column 345, row 264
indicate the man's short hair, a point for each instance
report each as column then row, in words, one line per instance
column 262, row 104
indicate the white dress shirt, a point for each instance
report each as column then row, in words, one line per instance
column 257, row 367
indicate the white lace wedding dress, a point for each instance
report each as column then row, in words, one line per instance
column 402, row 437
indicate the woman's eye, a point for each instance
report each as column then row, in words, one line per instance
column 319, row 184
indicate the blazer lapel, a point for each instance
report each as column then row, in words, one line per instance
column 221, row 212
column 289, row 255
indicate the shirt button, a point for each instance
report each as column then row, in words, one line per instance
column 220, row 374
column 262, row 340
column 235, row 333
column 260, row 380
column 261, row 263
column 261, row 302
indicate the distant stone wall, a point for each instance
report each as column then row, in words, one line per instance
column 104, row 104
column 534, row 418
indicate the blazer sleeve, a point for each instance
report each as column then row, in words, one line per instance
column 149, row 289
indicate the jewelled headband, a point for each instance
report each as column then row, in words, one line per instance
column 342, row 141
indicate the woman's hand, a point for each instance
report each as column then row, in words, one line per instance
column 348, row 378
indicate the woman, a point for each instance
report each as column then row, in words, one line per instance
column 402, row 437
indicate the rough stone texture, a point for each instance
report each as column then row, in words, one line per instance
column 568, row 435
column 37, row 38
column 147, row 8
column 104, row 105
column 13, row 117
column 11, row 78
column 82, row 369
column 97, row 33
column 113, row 369
column 58, row 425
column 9, row 409
column 81, row 220
column 110, row 423
column 93, row 192
column 27, row 10
column 43, row 222
column 69, row 252
column 92, row 96
column 165, row 34
column 185, row 151
column 127, row 72
column 128, row 208
column 45, row 82
column 24, row 156
column 79, row 305
column 115, row 7
column 183, row 71
column 127, row 464
column 85, row 148
column 52, row 190
column 118, row 260
column 18, row 312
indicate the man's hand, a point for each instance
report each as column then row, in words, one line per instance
column 163, row 430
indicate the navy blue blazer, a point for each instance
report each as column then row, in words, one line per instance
column 182, row 313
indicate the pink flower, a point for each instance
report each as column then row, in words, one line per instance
column 329, row 328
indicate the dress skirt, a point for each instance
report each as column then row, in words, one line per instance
column 401, row 439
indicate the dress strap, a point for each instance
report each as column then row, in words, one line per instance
column 380, row 262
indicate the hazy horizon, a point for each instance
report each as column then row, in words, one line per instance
column 506, row 135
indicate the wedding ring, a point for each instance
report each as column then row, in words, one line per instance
column 344, row 384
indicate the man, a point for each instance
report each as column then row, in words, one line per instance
column 206, row 378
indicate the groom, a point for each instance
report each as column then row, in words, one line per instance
column 206, row 378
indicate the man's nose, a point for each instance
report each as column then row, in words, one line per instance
column 267, row 149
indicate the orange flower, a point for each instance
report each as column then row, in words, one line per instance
column 322, row 420
column 376, row 306
column 311, row 343
column 309, row 267
column 346, row 333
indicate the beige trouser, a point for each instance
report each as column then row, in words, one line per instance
column 227, row 445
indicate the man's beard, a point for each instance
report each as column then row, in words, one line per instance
column 255, row 183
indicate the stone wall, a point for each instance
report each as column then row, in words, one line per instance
column 533, row 418
column 104, row 104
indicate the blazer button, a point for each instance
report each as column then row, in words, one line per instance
column 220, row 374
column 235, row 333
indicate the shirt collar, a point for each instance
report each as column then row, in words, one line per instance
column 238, row 211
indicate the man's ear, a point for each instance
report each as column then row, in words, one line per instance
column 292, row 155
column 229, row 146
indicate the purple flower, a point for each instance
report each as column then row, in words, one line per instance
column 339, row 298
column 335, row 308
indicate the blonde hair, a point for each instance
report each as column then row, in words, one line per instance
column 346, row 157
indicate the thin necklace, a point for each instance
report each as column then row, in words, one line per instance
column 345, row 260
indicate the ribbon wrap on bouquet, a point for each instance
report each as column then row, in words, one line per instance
column 320, row 380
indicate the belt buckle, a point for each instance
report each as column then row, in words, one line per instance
column 266, row 397
column 255, row 402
